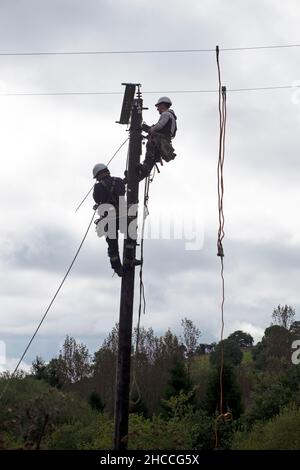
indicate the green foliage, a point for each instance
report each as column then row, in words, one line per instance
column 137, row 404
column 31, row 409
column 72, row 365
column 95, row 401
column 179, row 384
column 202, row 429
column 274, row 346
column 170, row 346
column 268, row 397
column 283, row 316
column 247, row 358
column 157, row 433
column 154, row 354
column 232, row 354
column 8, row 440
column 200, row 373
column 200, row 365
column 104, row 375
column 280, row 433
column 54, row 373
column 171, row 374
column 244, row 340
column 274, row 391
column 295, row 330
column 179, row 405
column 188, row 430
column 232, row 400
column 75, row 360
column 73, row 437
column 38, row 368
column 179, row 380
column 191, row 335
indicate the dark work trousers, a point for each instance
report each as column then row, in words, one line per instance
column 113, row 248
column 152, row 154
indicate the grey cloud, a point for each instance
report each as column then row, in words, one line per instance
column 51, row 248
column 46, row 248
column 261, row 147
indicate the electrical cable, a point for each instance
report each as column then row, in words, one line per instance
column 149, row 51
column 158, row 92
column 48, row 308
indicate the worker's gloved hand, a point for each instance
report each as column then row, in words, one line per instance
column 95, row 207
column 145, row 127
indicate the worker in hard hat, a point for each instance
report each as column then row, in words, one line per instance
column 108, row 191
column 159, row 145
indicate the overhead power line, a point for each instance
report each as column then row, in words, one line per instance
column 58, row 93
column 82, row 93
column 150, row 51
column 4, row 390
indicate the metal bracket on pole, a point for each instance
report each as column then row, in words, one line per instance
column 128, row 101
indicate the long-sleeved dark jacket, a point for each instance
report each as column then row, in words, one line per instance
column 108, row 190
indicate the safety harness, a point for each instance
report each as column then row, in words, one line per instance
column 111, row 200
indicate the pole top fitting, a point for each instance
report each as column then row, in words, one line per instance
column 139, row 93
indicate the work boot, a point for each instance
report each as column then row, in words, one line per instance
column 130, row 263
column 142, row 171
column 119, row 271
column 116, row 265
column 137, row 262
column 125, row 179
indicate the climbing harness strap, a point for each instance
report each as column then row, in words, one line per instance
column 85, row 197
column 110, row 191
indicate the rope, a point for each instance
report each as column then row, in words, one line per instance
column 142, row 299
column 47, row 310
column 78, row 207
column 221, row 234
column 117, row 151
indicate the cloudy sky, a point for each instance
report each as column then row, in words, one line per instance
column 49, row 145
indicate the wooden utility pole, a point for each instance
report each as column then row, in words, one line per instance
column 127, row 289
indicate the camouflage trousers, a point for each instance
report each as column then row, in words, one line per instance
column 160, row 147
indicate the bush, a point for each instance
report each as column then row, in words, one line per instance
column 280, row 433
column 271, row 393
column 31, row 410
column 70, row 437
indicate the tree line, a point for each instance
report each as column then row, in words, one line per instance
column 175, row 391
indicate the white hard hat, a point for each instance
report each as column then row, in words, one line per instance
column 164, row 99
column 98, row 167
